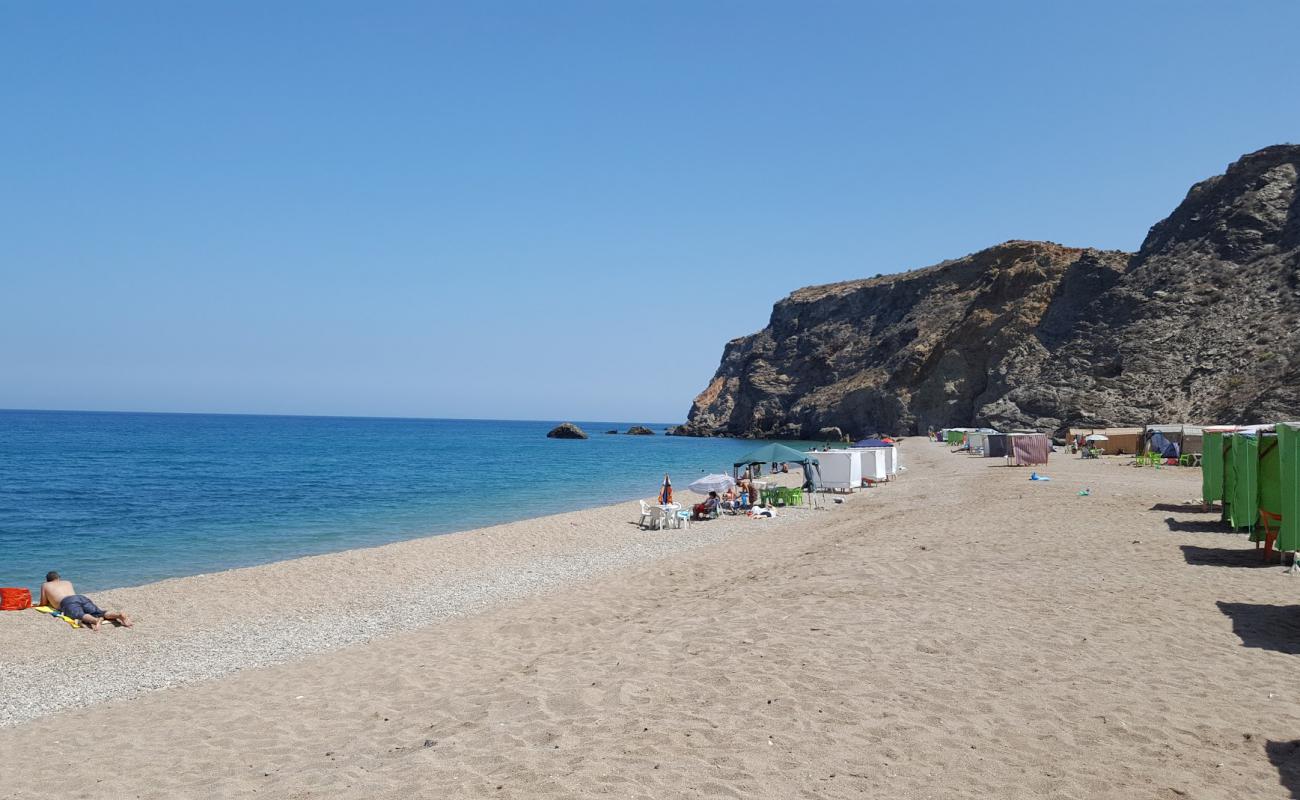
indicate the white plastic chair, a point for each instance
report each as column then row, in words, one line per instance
column 646, row 513
column 658, row 518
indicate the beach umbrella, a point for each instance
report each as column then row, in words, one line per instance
column 666, row 493
column 1097, row 437
column 712, row 483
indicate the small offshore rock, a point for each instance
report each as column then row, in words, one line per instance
column 639, row 430
column 566, row 431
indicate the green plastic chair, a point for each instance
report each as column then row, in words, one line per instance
column 795, row 497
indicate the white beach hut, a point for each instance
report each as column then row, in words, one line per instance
column 841, row 469
column 876, row 463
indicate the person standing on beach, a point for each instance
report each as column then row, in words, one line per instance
column 60, row 594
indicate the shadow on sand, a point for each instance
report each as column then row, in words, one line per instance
column 1265, row 627
column 1283, row 756
column 1198, row 526
column 1184, row 508
column 1224, row 557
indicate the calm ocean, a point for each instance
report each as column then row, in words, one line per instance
column 116, row 499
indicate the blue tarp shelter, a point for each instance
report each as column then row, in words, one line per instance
column 872, row 443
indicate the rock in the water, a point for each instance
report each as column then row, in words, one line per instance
column 639, row 430
column 609, row 432
column 566, row 431
column 830, row 434
column 1201, row 325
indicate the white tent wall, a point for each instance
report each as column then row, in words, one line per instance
column 888, row 463
column 841, row 469
column 873, row 464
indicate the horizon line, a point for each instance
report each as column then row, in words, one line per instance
column 316, row 416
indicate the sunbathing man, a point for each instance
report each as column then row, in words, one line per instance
column 58, row 593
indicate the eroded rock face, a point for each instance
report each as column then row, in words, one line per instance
column 566, row 430
column 1202, row 324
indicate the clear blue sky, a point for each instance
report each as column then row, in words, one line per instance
column 557, row 210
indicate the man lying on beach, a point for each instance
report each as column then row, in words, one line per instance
column 58, row 593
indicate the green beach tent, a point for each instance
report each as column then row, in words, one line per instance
column 774, row 454
column 1270, row 475
column 1212, row 468
column 1288, row 442
column 1241, row 484
column 777, row 453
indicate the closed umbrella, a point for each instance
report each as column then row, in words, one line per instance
column 666, row 493
column 712, row 483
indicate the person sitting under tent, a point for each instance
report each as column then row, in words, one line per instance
column 705, row 510
column 731, row 500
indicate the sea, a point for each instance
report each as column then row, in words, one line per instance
column 121, row 499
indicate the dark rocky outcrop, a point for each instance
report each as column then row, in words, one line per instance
column 638, row 430
column 1201, row 324
column 566, row 430
column 609, row 432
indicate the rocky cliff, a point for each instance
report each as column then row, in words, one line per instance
column 1202, row 324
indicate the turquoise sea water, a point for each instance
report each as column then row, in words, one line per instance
column 117, row 499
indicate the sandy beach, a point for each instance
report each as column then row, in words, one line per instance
column 961, row 632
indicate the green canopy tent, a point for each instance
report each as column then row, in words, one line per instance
column 1288, row 442
column 779, row 453
column 1270, row 475
column 1212, row 469
column 1241, row 482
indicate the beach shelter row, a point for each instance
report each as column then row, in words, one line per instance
column 845, row 468
column 1169, row 440
column 1020, row 449
column 1253, row 469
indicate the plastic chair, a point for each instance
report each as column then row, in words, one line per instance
column 645, row 515
column 794, row 497
column 1185, row 460
column 1272, row 525
column 658, row 518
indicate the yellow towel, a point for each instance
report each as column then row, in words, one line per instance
column 48, row 610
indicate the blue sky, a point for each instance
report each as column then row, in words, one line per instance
column 557, row 210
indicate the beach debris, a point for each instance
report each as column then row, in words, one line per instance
column 1036, row 477
column 1085, row 492
column 566, row 430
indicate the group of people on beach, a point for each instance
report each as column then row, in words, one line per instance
column 741, row 496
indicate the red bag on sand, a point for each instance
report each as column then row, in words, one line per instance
column 15, row 599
